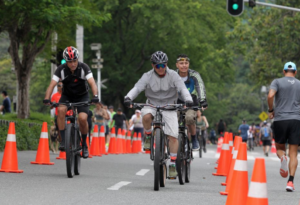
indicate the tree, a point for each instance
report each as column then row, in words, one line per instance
column 30, row 24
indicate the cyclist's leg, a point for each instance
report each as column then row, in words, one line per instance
column 147, row 117
column 190, row 117
column 62, row 110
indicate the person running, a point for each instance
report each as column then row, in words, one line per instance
column 136, row 122
column 118, row 120
column 75, row 77
column 100, row 115
column 221, row 127
column 5, row 107
column 286, row 115
column 251, row 136
column 243, row 130
column 202, row 125
column 195, row 86
column 107, row 122
column 265, row 135
column 161, row 86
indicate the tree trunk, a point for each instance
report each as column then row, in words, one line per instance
column 23, row 78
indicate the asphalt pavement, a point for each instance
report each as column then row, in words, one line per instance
column 128, row 179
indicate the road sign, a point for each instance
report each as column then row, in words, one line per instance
column 96, row 60
column 96, row 66
column 263, row 116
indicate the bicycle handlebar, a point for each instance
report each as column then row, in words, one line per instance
column 164, row 107
column 69, row 104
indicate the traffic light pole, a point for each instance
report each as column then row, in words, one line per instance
column 275, row 6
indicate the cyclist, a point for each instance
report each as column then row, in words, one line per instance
column 75, row 77
column 195, row 86
column 161, row 86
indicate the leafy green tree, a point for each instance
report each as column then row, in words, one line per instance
column 30, row 24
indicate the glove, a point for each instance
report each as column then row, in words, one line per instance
column 203, row 104
column 95, row 99
column 189, row 103
column 46, row 101
column 127, row 102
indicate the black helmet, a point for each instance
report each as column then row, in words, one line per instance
column 70, row 53
column 159, row 57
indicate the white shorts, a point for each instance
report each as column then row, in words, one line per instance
column 168, row 117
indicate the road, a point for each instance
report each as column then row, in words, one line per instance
column 101, row 176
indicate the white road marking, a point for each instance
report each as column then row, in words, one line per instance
column 118, row 185
column 142, row 172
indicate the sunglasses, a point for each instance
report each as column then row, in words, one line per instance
column 183, row 59
column 158, row 66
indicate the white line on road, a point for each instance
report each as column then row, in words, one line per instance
column 118, row 185
column 142, row 172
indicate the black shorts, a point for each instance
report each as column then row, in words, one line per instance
column 83, row 98
column 287, row 131
column 266, row 142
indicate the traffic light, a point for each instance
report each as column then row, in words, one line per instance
column 59, row 58
column 235, row 7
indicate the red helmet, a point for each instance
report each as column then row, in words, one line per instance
column 70, row 53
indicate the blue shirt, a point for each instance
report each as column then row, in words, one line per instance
column 6, row 105
column 244, row 131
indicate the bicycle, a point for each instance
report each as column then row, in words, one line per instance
column 72, row 139
column 161, row 153
column 185, row 153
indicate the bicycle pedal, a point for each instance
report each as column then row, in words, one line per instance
column 172, row 178
column 146, row 149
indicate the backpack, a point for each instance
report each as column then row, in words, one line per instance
column 265, row 132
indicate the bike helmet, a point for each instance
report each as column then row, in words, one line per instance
column 70, row 53
column 159, row 57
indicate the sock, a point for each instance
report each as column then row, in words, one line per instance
column 62, row 135
column 173, row 157
column 193, row 137
column 83, row 139
column 148, row 132
column 291, row 179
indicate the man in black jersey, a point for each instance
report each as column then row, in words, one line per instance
column 75, row 77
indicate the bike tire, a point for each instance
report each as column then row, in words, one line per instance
column 163, row 175
column 77, row 161
column 157, row 157
column 180, row 162
column 69, row 147
column 200, row 144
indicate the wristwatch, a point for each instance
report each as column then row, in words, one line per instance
column 271, row 110
column 95, row 96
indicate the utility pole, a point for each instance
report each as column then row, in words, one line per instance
column 253, row 2
column 98, row 66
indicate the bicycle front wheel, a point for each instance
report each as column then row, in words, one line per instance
column 157, row 157
column 180, row 162
column 69, row 146
column 77, row 155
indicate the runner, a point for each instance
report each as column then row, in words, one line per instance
column 265, row 136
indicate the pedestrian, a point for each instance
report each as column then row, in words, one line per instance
column 136, row 122
column 243, row 131
column 5, row 107
column 100, row 115
column 53, row 137
column 265, row 135
column 213, row 136
column 111, row 110
column 286, row 114
column 201, row 126
column 118, row 119
column 221, row 127
column 107, row 121
column 251, row 136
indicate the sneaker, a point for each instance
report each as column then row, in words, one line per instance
column 62, row 146
column 85, row 152
column 290, row 186
column 195, row 144
column 147, row 143
column 284, row 167
column 172, row 170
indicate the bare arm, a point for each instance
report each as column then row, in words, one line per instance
column 127, row 124
column 271, row 96
column 93, row 86
column 205, row 120
column 106, row 115
column 50, row 89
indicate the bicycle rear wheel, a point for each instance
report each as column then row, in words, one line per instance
column 77, row 162
column 180, row 162
column 157, row 157
column 188, row 162
column 69, row 146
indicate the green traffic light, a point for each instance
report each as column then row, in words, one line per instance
column 63, row 61
column 235, row 6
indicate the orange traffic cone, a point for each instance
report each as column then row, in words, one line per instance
column 95, row 149
column 10, row 158
column 112, row 142
column 257, row 194
column 62, row 155
column 128, row 142
column 223, row 165
column 219, row 147
column 102, row 141
column 124, row 141
column 119, row 142
column 273, row 149
column 238, row 189
column 139, row 143
column 134, row 143
column 43, row 155
column 237, row 142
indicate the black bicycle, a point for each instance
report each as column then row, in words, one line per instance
column 72, row 139
column 185, row 153
column 200, row 140
column 160, row 153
